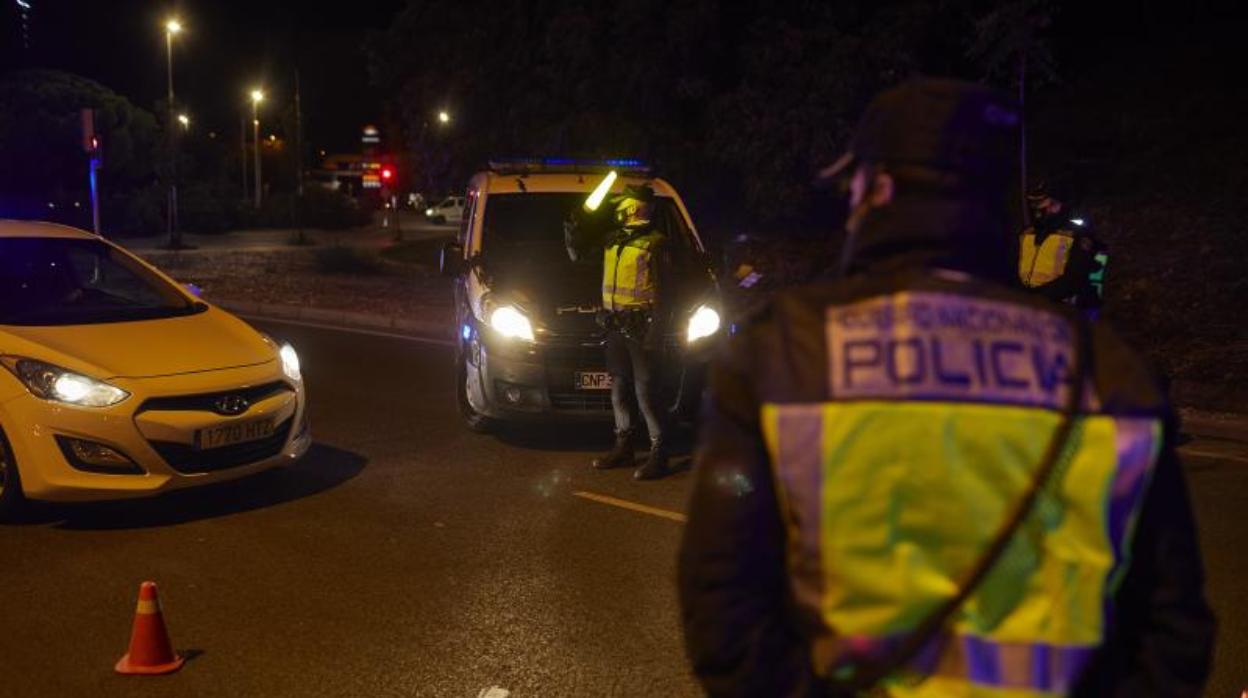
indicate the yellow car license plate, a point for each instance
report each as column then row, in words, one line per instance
column 233, row 433
column 593, row 380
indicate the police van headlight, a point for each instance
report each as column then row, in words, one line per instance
column 703, row 323
column 508, row 321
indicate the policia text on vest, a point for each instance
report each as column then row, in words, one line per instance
column 937, row 346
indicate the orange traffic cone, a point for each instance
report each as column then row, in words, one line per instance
column 150, row 649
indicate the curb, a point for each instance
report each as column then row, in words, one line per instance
column 1214, row 425
column 345, row 318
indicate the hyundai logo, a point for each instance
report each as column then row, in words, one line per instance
column 231, row 405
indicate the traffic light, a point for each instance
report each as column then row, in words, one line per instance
column 387, row 174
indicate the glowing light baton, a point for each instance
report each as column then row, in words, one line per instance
column 600, row 192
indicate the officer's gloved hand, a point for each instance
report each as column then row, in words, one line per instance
column 571, row 233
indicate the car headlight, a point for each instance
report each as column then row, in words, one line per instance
column 290, row 362
column 62, row 385
column 428, row 212
column 704, row 323
column 510, row 322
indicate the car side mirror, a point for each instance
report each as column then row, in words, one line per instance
column 452, row 260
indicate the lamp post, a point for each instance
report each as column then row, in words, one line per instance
column 257, row 96
column 172, row 27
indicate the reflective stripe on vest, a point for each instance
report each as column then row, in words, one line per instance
column 1038, row 265
column 941, row 410
column 629, row 278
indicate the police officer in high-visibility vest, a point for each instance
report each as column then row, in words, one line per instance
column 1059, row 256
column 636, row 315
column 917, row 480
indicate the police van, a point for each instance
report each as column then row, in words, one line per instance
column 530, row 345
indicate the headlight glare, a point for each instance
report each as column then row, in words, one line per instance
column 290, row 363
column 52, row 382
column 510, row 322
column 704, row 323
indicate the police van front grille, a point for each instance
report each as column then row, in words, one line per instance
column 582, row 401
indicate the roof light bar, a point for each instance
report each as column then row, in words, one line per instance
column 561, row 164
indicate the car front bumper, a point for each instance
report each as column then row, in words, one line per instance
column 537, row 382
column 156, row 428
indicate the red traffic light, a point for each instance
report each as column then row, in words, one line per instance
column 387, row 174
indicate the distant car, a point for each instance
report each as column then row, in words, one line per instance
column 530, row 346
column 449, row 210
column 116, row 382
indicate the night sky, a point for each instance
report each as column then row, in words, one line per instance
column 228, row 46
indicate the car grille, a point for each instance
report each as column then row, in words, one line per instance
column 203, row 402
column 583, row 401
column 186, row 459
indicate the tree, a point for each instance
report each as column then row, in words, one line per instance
column 41, row 146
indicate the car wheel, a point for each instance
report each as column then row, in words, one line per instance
column 11, row 499
column 473, row 419
column 440, row 220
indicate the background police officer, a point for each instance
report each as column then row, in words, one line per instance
column 1060, row 257
column 921, row 481
column 636, row 314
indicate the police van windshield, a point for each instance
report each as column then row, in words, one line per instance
column 528, row 228
column 62, row 281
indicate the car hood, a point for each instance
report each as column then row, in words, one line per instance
column 205, row 341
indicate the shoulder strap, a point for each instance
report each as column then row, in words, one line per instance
column 867, row 674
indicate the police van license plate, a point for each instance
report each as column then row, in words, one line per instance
column 593, row 380
column 233, row 433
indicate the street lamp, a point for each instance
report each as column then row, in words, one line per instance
column 444, row 117
column 172, row 27
column 185, row 120
column 257, row 96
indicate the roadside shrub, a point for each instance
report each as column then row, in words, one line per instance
column 322, row 209
column 136, row 213
column 339, row 259
column 203, row 208
column 331, row 210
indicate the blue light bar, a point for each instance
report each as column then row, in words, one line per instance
column 565, row 164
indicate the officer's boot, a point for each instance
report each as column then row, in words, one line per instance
column 621, row 456
column 655, row 466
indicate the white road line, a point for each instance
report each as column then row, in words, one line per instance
column 1211, row 454
column 354, row 330
column 631, row 506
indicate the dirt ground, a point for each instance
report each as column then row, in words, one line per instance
column 292, row 278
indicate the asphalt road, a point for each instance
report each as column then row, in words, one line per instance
column 408, row 556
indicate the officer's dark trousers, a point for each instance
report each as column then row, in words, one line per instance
column 635, row 382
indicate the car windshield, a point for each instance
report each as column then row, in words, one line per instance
column 63, row 281
column 528, row 228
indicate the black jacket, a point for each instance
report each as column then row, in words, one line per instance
column 742, row 632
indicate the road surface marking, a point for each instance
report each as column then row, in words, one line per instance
column 1211, row 454
column 632, row 506
column 494, row 692
column 355, row 330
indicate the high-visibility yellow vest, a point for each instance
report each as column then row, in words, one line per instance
column 1040, row 264
column 630, row 273
column 942, row 407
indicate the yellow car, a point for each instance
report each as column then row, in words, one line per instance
column 117, row 382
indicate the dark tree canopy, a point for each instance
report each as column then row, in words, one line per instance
column 41, row 142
